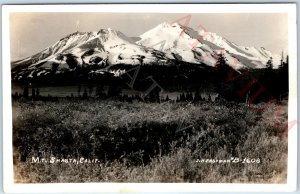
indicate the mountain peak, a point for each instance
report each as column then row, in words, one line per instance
column 165, row 25
column 77, row 33
column 107, row 31
column 168, row 25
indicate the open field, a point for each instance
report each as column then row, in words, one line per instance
column 147, row 142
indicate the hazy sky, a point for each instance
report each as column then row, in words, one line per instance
column 32, row 32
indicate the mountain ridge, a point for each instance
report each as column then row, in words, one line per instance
column 158, row 46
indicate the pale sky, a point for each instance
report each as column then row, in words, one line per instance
column 32, row 32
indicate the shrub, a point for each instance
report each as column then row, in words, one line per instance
column 141, row 142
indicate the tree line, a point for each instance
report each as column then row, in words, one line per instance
column 185, row 78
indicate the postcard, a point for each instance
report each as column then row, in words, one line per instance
column 149, row 97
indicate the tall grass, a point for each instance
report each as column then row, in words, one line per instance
column 146, row 142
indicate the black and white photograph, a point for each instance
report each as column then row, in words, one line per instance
column 147, row 96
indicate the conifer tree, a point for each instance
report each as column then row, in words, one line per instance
column 85, row 94
column 25, row 91
column 167, row 98
column 33, row 93
column 270, row 64
column 37, row 92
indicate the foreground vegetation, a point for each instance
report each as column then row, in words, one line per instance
column 146, row 142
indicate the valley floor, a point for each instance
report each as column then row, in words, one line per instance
column 111, row 141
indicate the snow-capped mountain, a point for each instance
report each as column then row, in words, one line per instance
column 177, row 43
column 200, row 46
column 251, row 56
column 159, row 46
column 104, row 48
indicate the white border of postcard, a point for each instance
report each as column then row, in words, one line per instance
column 11, row 187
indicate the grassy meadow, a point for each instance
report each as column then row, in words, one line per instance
column 147, row 142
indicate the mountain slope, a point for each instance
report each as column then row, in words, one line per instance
column 102, row 49
column 200, row 46
column 251, row 56
column 169, row 39
column 165, row 44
